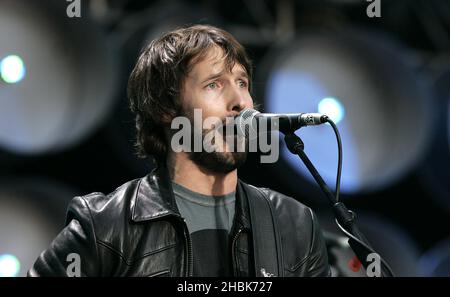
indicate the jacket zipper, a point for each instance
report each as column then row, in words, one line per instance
column 233, row 251
column 188, row 248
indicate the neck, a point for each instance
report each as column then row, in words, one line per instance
column 185, row 172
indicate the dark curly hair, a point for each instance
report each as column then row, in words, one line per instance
column 156, row 80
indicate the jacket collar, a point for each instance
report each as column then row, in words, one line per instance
column 154, row 199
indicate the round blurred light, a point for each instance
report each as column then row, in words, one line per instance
column 362, row 81
column 12, row 69
column 333, row 108
column 70, row 82
column 32, row 213
column 9, row 266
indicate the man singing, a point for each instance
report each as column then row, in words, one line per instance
column 191, row 216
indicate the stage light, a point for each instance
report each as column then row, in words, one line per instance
column 9, row 265
column 333, row 108
column 32, row 213
column 364, row 82
column 70, row 83
column 12, row 69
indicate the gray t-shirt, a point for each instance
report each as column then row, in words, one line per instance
column 209, row 220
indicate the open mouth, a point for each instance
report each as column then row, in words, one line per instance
column 229, row 130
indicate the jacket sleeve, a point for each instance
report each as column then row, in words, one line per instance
column 318, row 257
column 74, row 250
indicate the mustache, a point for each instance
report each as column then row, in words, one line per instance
column 225, row 126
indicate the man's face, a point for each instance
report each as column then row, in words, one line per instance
column 217, row 92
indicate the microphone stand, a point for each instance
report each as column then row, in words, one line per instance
column 345, row 218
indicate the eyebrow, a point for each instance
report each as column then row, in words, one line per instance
column 219, row 74
column 213, row 76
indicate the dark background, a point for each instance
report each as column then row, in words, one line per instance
column 104, row 158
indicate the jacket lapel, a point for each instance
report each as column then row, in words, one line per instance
column 154, row 197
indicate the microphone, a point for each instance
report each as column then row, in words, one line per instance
column 251, row 122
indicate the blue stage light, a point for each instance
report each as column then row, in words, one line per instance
column 12, row 69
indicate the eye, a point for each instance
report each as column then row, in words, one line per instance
column 242, row 83
column 211, row 86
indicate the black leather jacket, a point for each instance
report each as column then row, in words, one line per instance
column 137, row 231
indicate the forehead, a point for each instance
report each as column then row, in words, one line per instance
column 213, row 62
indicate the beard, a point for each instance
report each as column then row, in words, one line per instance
column 224, row 160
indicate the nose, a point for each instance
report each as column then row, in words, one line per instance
column 238, row 106
column 239, row 100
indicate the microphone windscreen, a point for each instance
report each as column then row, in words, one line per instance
column 246, row 123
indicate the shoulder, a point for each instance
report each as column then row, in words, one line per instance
column 296, row 222
column 95, row 205
column 285, row 207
